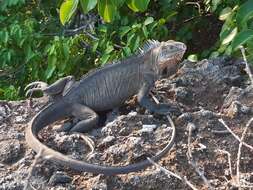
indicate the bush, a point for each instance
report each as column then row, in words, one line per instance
column 51, row 39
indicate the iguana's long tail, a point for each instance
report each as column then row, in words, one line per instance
column 51, row 113
column 59, row 110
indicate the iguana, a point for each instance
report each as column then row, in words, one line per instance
column 105, row 89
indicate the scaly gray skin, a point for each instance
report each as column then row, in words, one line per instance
column 102, row 90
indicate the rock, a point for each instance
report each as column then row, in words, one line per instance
column 10, row 151
column 184, row 95
column 99, row 183
column 107, row 141
column 201, row 93
column 20, row 119
column 236, row 109
column 148, row 128
column 3, row 112
column 59, row 178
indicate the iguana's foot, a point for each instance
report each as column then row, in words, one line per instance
column 37, row 86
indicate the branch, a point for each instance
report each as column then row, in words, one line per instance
column 239, row 152
column 247, row 68
column 192, row 161
column 170, row 173
column 36, row 160
column 236, row 137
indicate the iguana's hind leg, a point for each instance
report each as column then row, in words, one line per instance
column 53, row 90
column 59, row 86
column 88, row 117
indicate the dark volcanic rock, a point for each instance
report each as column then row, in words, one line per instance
column 199, row 94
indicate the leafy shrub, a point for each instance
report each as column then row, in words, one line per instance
column 237, row 28
column 27, row 53
column 46, row 40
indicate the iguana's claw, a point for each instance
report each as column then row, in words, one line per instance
column 36, row 84
column 30, row 92
column 34, row 87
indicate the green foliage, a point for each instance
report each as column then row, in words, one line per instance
column 116, row 42
column 237, row 29
column 107, row 9
column 27, row 54
column 42, row 40
column 67, row 10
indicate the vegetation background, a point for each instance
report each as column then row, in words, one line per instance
column 48, row 39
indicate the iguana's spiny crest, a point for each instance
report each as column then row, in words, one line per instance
column 166, row 54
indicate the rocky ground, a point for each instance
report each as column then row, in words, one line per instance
column 202, row 95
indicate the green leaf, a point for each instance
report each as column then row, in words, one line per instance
column 133, row 42
column 126, row 51
column 161, row 21
column 170, row 14
column 51, row 66
column 29, row 54
column 193, row 57
column 230, row 37
column 245, row 12
column 136, row 43
column 148, row 21
column 88, row 5
column 137, row 25
column 214, row 54
column 129, row 38
column 225, row 13
column 65, row 48
column 118, row 3
column 124, row 30
column 241, row 38
column 67, row 9
column 107, row 10
column 95, row 46
column 109, row 49
column 215, row 4
column 138, row 5
column 102, row 28
column 104, row 59
column 145, row 31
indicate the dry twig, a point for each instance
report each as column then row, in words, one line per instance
column 236, row 137
column 170, row 173
column 239, row 153
column 247, row 69
column 36, row 160
column 192, row 161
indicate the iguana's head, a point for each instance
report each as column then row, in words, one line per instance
column 169, row 53
column 163, row 54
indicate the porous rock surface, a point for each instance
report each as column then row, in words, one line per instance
column 200, row 94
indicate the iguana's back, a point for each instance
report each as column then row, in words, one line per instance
column 109, row 86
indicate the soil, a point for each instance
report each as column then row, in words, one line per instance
column 201, row 94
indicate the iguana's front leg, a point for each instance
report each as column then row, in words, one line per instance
column 54, row 90
column 145, row 101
